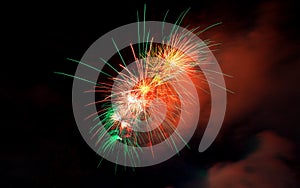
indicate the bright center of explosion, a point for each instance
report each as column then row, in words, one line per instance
column 137, row 104
column 140, row 98
column 144, row 89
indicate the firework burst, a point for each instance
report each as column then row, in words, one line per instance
column 142, row 106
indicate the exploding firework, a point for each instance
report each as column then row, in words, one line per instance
column 141, row 106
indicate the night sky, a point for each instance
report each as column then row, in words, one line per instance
column 258, row 145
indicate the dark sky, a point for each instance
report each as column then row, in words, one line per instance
column 258, row 145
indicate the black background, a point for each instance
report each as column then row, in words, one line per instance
column 41, row 145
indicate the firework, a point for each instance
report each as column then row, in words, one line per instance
column 143, row 105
